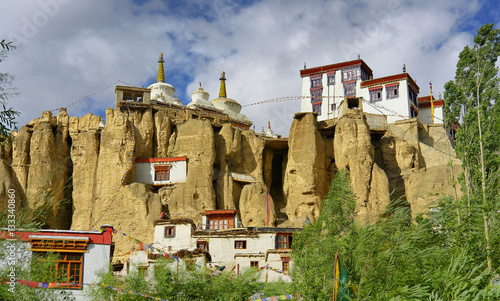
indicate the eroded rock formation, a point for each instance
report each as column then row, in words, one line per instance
column 268, row 181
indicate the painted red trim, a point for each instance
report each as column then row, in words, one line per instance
column 392, row 85
column 210, row 212
column 101, row 238
column 426, row 98
column 375, row 88
column 153, row 160
column 389, row 78
column 331, row 72
column 334, row 67
column 349, row 82
column 316, row 88
column 437, row 103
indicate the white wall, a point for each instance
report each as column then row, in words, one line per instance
column 145, row 173
column 424, row 115
column 182, row 237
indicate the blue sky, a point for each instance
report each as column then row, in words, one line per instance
column 68, row 49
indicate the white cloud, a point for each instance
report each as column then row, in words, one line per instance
column 84, row 46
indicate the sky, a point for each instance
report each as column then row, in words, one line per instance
column 76, row 51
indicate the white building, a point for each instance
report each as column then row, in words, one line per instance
column 425, row 110
column 234, row 248
column 325, row 87
column 83, row 255
column 160, row 171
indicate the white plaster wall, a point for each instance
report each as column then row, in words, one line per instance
column 222, row 248
column 424, row 115
column 97, row 260
column 181, row 240
column 145, row 173
column 399, row 104
column 305, row 103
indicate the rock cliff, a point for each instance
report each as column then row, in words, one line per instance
column 269, row 181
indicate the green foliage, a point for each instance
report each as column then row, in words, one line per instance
column 315, row 246
column 473, row 97
column 7, row 115
column 398, row 258
column 186, row 285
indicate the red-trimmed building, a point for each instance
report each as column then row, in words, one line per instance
column 81, row 255
column 325, row 87
column 161, row 171
column 425, row 110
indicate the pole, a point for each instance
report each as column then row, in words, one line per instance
column 432, row 104
column 267, row 208
column 335, row 271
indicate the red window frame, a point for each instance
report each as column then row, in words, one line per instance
column 169, row 231
column 240, row 244
column 162, row 172
column 283, row 240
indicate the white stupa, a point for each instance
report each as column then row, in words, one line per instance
column 227, row 105
column 161, row 91
column 199, row 100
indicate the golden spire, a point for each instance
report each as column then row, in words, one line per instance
column 222, row 91
column 161, row 74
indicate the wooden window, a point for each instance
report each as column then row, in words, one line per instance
column 162, row 172
column 286, row 266
column 254, row 264
column 142, row 271
column 169, row 231
column 392, row 91
column 330, row 78
column 219, row 223
column 316, row 81
column 316, row 95
column 67, row 269
column 376, row 94
column 202, row 245
column 317, row 108
column 240, row 244
column 351, row 73
column 350, row 89
column 283, row 240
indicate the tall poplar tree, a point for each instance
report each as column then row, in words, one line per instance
column 472, row 99
column 7, row 115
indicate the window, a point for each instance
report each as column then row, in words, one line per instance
column 67, row 268
column 413, row 112
column 254, row 264
column 330, row 78
column 334, row 106
column 392, row 91
column 283, row 241
column 169, row 231
column 412, row 95
column 142, row 271
column 376, row 94
column 286, row 263
column 316, row 95
column 350, row 89
column 317, row 107
column 316, row 81
column 240, row 244
column 351, row 73
column 219, row 224
column 162, row 172
column 202, row 245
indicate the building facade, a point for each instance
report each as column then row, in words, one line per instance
column 325, row 87
column 81, row 255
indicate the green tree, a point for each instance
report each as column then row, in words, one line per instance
column 7, row 115
column 473, row 97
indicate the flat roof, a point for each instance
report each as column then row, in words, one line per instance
column 333, row 67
